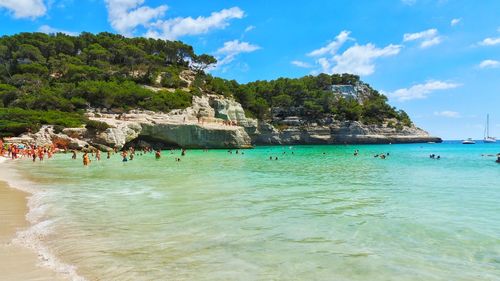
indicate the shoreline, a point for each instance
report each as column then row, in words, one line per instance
column 21, row 259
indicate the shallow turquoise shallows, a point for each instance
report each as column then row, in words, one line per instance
column 316, row 213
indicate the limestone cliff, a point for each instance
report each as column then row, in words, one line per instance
column 216, row 122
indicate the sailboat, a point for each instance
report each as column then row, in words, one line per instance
column 487, row 138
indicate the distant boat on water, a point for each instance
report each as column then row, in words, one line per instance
column 468, row 141
column 487, row 137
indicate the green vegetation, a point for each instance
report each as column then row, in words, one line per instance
column 42, row 73
column 310, row 97
column 14, row 121
column 96, row 125
column 45, row 75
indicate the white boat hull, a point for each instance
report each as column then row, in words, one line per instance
column 468, row 141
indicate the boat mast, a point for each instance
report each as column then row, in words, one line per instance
column 488, row 125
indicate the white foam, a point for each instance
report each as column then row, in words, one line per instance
column 32, row 237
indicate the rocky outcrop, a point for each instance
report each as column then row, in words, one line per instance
column 211, row 122
column 344, row 132
column 214, row 121
column 47, row 136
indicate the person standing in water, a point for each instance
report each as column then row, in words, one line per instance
column 74, row 155
column 158, row 154
column 124, row 156
column 86, row 160
column 98, row 155
column 109, row 154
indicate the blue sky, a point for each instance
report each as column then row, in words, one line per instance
column 439, row 60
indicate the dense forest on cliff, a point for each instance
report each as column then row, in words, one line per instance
column 53, row 79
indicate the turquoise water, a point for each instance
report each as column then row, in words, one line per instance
column 317, row 214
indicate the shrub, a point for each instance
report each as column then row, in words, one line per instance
column 96, row 125
column 15, row 121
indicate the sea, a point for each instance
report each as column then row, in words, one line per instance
column 269, row 213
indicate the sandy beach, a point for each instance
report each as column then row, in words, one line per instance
column 18, row 263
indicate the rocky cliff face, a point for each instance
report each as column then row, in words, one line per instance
column 211, row 122
column 216, row 122
column 348, row 133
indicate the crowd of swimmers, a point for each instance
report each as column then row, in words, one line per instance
column 125, row 154
column 34, row 152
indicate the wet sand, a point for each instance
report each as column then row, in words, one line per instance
column 17, row 263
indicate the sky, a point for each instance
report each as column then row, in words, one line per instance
column 439, row 60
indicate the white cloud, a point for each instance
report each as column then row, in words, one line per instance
column 429, row 37
column 235, row 46
column 231, row 49
column 360, row 59
column 325, row 65
column 302, row 64
column 490, row 41
column 421, row 91
column 489, row 64
column 125, row 15
column 49, row 30
column 177, row 27
column 430, row 42
column 447, row 113
column 333, row 46
column 357, row 59
column 249, row 28
column 455, row 21
column 25, row 8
